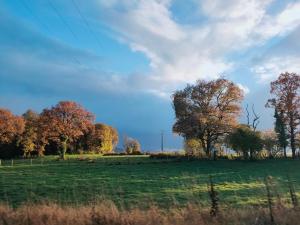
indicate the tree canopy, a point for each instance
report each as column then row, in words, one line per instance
column 30, row 139
column 65, row 122
column 207, row 110
column 11, row 126
column 286, row 100
column 132, row 146
column 102, row 138
column 246, row 141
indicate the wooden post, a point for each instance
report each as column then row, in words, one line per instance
column 0, row 162
column 12, row 162
column 30, row 161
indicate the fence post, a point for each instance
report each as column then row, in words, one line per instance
column 0, row 162
column 30, row 161
column 12, row 162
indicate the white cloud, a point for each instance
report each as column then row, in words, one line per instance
column 273, row 67
column 287, row 20
column 180, row 53
column 244, row 88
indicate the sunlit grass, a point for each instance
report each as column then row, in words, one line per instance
column 129, row 181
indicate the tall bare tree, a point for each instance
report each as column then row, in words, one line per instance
column 207, row 110
column 255, row 120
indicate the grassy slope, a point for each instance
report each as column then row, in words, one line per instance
column 139, row 180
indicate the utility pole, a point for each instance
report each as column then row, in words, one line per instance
column 162, row 141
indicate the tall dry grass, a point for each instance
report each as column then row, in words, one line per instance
column 108, row 214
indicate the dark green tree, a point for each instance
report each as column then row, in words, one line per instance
column 285, row 92
column 246, row 141
column 280, row 129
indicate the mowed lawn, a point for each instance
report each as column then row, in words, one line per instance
column 140, row 181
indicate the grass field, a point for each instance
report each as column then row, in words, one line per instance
column 140, row 181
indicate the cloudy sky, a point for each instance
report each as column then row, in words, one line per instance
column 122, row 59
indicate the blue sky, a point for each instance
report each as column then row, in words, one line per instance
column 122, row 59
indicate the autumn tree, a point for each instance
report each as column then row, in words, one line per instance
column 193, row 147
column 246, row 141
column 131, row 146
column 11, row 126
column 102, row 138
column 271, row 144
column 286, row 100
column 64, row 123
column 207, row 111
column 29, row 140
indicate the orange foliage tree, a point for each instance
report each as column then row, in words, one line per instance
column 287, row 101
column 29, row 138
column 11, row 126
column 207, row 110
column 64, row 123
column 102, row 138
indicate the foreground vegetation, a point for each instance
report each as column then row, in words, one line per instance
column 106, row 213
column 132, row 181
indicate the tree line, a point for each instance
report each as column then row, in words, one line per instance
column 65, row 126
column 207, row 116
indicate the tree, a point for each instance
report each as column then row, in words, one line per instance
column 29, row 140
column 102, row 138
column 132, row 146
column 271, row 144
column 297, row 143
column 64, row 123
column 255, row 120
column 245, row 140
column 207, row 111
column 192, row 147
column 287, row 101
column 280, row 129
column 11, row 126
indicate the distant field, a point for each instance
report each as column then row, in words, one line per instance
column 132, row 181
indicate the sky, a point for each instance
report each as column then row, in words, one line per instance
column 123, row 59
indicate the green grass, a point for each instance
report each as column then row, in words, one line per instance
column 132, row 181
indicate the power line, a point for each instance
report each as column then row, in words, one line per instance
column 62, row 18
column 86, row 23
column 65, row 23
column 162, row 141
column 25, row 5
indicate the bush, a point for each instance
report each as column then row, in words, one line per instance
column 193, row 148
column 132, row 146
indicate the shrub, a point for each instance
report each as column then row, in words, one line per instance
column 132, row 146
column 107, row 213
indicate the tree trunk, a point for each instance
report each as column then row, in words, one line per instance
column 207, row 150
column 215, row 155
column 284, row 151
column 245, row 155
column 63, row 148
column 251, row 154
column 293, row 147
